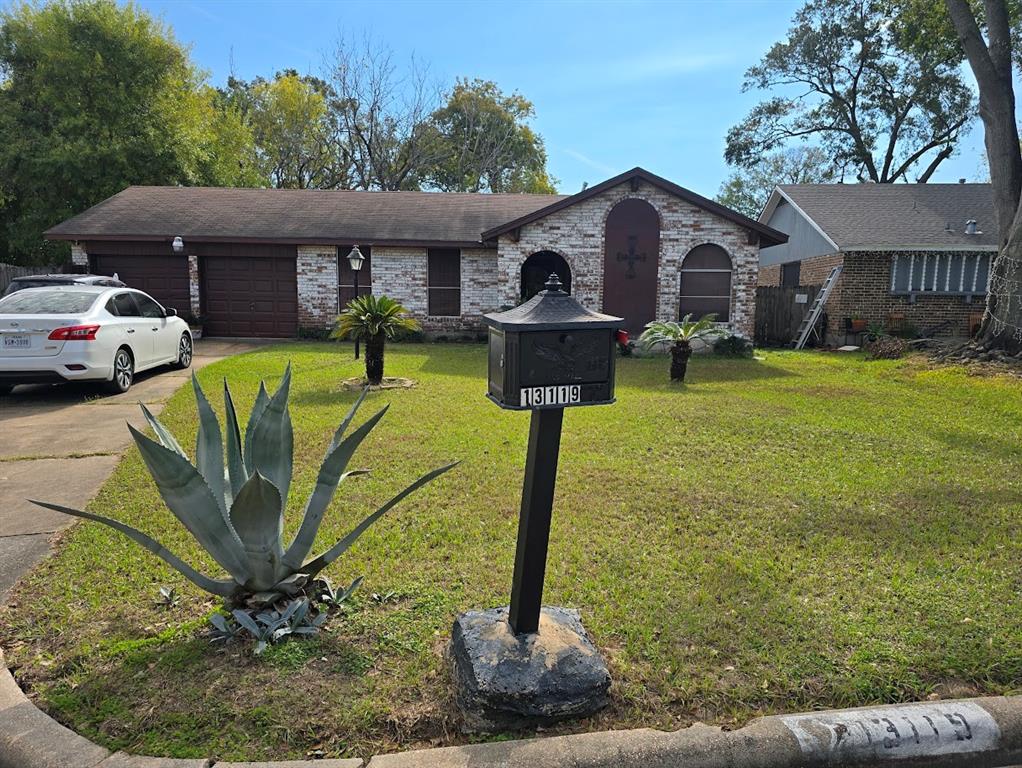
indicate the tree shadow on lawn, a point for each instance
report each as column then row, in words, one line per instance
column 702, row 370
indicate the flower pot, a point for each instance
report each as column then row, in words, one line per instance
column 859, row 325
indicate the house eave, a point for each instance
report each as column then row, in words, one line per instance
column 377, row 242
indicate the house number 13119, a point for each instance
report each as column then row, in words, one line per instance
column 533, row 397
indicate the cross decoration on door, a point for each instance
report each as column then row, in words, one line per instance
column 631, row 257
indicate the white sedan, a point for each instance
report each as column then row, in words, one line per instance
column 87, row 333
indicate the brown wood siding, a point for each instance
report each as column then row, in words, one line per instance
column 164, row 277
column 250, row 294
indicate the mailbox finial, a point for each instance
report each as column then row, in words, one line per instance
column 553, row 283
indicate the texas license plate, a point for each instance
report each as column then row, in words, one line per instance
column 533, row 397
column 17, row 341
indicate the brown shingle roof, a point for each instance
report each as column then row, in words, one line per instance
column 878, row 216
column 297, row 216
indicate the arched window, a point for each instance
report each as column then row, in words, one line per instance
column 536, row 271
column 706, row 283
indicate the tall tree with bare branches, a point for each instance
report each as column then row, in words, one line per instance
column 853, row 79
column 991, row 59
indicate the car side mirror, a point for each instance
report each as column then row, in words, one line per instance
column 170, row 312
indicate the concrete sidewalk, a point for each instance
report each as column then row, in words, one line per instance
column 62, row 442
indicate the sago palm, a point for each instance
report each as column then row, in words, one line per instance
column 680, row 337
column 236, row 512
column 373, row 319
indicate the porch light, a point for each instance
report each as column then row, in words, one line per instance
column 355, row 258
column 178, row 244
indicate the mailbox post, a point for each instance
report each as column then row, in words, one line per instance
column 546, row 355
column 528, row 664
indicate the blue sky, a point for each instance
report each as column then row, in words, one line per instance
column 615, row 84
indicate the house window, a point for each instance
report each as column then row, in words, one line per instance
column 444, row 282
column 950, row 273
column 706, row 283
column 346, row 275
column 791, row 273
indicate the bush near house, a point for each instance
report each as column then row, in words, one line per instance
column 799, row 532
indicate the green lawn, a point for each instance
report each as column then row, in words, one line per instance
column 806, row 530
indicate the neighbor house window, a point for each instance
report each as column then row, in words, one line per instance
column 444, row 282
column 706, row 283
column 346, row 275
column 791, row 273
column 954, row 273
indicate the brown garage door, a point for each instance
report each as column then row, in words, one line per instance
column 165, row 278
column 250, row 296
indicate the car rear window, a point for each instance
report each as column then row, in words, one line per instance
column 41, row 302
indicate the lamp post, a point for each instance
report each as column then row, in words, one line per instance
column 355, row 260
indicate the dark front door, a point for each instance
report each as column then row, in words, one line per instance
column 165, row 278
column 631, row 262
column 253, row 296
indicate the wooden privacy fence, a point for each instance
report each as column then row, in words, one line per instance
column 779, row 310
column 10, row 271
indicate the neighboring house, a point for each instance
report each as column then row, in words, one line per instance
column 913, row 255
column 272, row 262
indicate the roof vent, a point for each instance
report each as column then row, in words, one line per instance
column 972, row 228
column 948, row 227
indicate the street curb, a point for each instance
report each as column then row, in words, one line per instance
column 965, row 733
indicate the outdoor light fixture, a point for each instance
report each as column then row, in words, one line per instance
column 178, row 244
column 355, row 260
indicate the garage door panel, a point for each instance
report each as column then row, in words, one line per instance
column 250, row 296
column 165, row 278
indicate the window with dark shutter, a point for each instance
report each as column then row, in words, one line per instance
column 706, row 283
column 444, row 282
column 791, row 273
column 346, row 275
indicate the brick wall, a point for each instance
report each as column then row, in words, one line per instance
column 316, row 271
column 400, row 273
column 770, row 275
column 79, row 256
column 864, row 291
column 576, row 233
column 194, row 292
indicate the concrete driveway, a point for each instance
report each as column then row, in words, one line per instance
column 62, row 442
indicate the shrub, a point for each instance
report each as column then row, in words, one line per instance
column 733, row 346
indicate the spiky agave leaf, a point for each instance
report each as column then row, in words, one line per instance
column 164, row 435
column 209, row 447
column 330, row 474
column 272, row 450
column 261, row 401
column 187, row 495
column 219, row 587
column 258, row 518
column 236, row 472
column 318, row 564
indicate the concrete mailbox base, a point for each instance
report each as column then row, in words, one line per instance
column 505, row 681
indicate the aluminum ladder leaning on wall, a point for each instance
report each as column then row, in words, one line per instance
column 809, row 321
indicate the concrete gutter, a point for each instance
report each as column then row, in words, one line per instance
column 965, row 733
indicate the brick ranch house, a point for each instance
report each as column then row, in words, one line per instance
column 272, row 262
column 911, row 258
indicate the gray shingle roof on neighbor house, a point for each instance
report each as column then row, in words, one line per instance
column 897, row 216
column 297, row 215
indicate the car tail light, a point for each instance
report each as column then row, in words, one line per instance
column 75, row 333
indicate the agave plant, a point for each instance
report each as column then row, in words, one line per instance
column 680, row 337
column 237, row 513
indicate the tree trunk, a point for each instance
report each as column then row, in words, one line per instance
column 680, row 353
column 991, row 64
column 374, row 359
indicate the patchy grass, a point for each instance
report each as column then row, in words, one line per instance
column 803, row 531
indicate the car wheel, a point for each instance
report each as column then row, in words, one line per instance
column 124, row 372
column 5, row 389
column 184, row 352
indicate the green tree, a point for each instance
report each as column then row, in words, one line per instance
column 95, row 96
column 748, row 189
column 291, row 123
column 484, row 143
column 373, row 319
column 884, row 103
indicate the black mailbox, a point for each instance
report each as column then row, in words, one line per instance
column 551, row 352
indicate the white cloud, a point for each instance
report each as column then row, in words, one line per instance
column 590, row 162
column 658, row 65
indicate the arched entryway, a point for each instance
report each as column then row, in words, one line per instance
column 537, row 269
column 631, row 261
